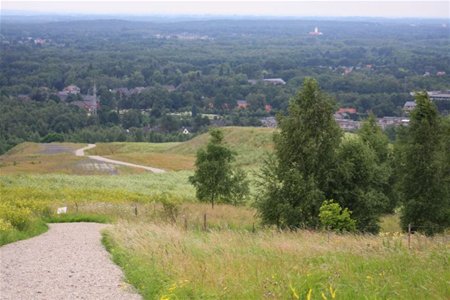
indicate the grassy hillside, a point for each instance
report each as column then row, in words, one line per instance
column 250, row 145
column 33, row 158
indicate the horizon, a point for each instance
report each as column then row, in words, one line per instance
column 249, row 9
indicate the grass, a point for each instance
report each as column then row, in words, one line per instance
column 249, row 143
column 78, row 217
column 165, row 262
column 34, row 228
column 66, row 189
column 32, row 158
column 166, row 253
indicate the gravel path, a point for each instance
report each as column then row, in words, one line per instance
column 67, row 262
column 80, row 152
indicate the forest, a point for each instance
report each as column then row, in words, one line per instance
column 155, row 77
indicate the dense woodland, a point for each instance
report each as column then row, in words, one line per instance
column 200, row 67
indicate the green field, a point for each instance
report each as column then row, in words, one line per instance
column 159, row 239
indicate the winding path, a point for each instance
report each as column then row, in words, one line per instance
column 67, row 262
column 80, row 152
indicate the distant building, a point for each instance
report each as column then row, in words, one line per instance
column 269, row 122
column 242, row 104
column 39, row 42
column 348, row 125
column 437, row 95
column 315, row 32
column 275, row 81
column 268, row 108
column 185, row 131
column 409, row 106
column 440, row 73
column 72, row 89
column 68, row 90
column 392, row 121
column 347, row 110
column 347, row 70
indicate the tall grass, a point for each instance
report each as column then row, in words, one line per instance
column 66, row 189
column 166, row 262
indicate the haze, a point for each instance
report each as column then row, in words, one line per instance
column 404, row 9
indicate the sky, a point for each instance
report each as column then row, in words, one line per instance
column 311, row 8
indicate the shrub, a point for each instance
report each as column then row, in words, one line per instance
column 5, row 225
column 333, row 217
column 18, row 217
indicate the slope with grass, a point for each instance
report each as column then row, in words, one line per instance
column 167, row 262
column 249, row 143
column 33, row 158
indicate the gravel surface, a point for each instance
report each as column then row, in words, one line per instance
column 67, row 262
column 80, row 152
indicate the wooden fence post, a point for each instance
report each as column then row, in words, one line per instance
column 204, row 222
column 409, row 236
column 135, row 210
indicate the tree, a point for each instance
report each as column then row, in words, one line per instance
column 333, row 217
column 425, row 198
column 372, row 135
column 214, row 178
column 359, row 183
column 294, row 183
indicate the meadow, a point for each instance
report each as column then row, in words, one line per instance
column 160, row 240
column 165, row 261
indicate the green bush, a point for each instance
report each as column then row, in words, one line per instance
column 333, row 217
column 17, row 217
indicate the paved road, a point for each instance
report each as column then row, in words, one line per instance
column 80, row 152
column 67, row 262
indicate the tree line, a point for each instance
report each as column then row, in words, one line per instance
column 320, row 176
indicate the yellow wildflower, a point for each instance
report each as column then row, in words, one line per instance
column 308, row 297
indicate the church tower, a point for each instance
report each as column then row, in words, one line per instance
column 94, row 102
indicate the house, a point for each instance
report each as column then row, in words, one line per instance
column 348, row 125
column 440, row 73
column 409, row 106
column 242, row 104
column 346, row 110
column 274, row 81
column 39, row 41
column 269, row 122
column 123, row 92
column 72, row 89
column 347, row 70
column 392, row 121
column 268, row 108
column 185, row 131
column 439, row 95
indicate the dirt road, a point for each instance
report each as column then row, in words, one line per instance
column 67, row 262
column 80, row 152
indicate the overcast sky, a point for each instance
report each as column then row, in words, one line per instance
column 403, row 8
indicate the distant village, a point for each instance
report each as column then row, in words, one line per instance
column 346, row 117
